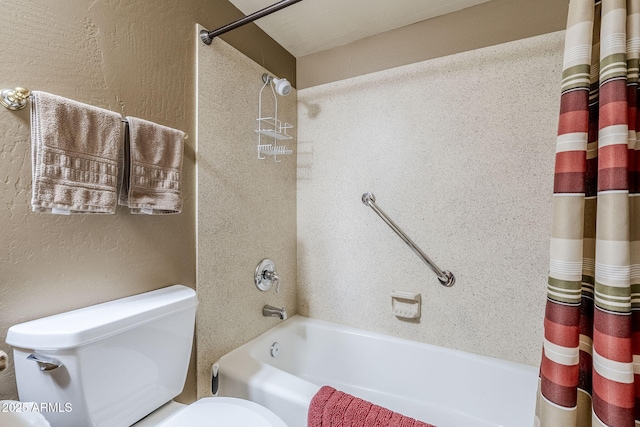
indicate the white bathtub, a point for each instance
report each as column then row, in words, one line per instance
column 443, row 387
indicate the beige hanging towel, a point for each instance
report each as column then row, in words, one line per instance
column 74, row 156
column 152, row 168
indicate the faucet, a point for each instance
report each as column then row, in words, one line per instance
column 270, row 311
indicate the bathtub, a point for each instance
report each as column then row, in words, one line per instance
column 443, row 387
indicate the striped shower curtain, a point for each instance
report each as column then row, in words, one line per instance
column 590, row 369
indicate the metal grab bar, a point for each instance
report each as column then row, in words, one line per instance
column 445, row 277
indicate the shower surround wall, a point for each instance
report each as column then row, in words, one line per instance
column 459, row 152
column 246, row 207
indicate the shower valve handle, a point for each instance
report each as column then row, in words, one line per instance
column 266, row 275
column 273, row 277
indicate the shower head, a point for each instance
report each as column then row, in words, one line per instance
column 281, row 86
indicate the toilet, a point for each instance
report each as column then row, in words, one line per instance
column 120, row 363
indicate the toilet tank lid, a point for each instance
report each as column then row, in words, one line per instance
column 79, row 327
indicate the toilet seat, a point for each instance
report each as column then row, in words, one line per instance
column 224, row 412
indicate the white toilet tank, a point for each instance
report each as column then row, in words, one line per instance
column 120, row 360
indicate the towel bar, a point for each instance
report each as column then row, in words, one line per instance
column 16, row 99
column 186, row 136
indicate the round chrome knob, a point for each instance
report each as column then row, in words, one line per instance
column 14, row 99
column 266, row 276
column 275, row 349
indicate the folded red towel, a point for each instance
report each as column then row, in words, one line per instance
column 333, row 408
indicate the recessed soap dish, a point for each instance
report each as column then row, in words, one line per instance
column 406, row 305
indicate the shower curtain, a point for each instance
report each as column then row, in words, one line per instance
column 590, row 369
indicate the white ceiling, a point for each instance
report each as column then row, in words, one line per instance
column 314, row 25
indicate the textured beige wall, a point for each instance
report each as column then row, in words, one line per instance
column 131, row 57
column 246, row 207
column 459, row 152
column 487, row 24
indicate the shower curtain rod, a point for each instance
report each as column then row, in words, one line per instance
column 208, row 36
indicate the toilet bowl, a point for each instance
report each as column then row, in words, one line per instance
column 119, row 364
column 20, row 414
column 217, row 411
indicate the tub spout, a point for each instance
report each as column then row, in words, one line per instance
column 270, row 311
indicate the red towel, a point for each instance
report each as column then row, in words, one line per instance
column 332, row 408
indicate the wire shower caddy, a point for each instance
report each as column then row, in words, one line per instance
column 271, row 127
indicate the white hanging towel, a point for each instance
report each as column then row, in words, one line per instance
column 74, row 152
column 153, row 168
